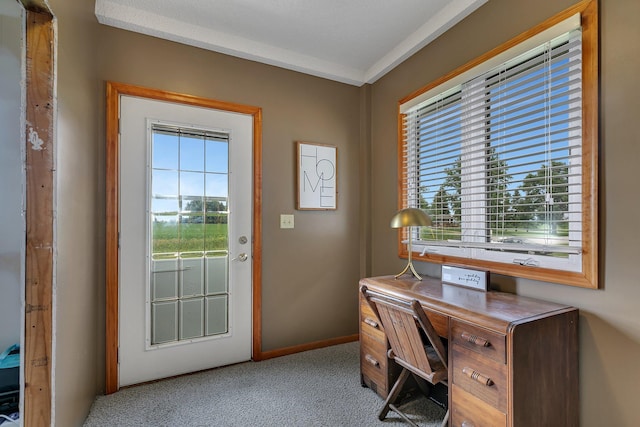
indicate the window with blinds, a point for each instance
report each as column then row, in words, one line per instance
column 495, row 157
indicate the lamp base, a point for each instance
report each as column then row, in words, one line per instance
column 407, row 268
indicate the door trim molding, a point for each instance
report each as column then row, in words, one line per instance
column 114, row 90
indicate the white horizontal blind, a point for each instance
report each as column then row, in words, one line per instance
column 496, row 161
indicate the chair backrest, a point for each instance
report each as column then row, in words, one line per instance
column 403, row 321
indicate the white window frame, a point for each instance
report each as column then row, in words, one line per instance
column 580, row 267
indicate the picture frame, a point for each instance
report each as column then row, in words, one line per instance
column 316, row 176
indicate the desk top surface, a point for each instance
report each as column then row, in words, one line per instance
column 494, row 310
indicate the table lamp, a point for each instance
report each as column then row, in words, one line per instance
column 410, row 217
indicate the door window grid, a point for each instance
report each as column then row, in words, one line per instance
column 189, row 234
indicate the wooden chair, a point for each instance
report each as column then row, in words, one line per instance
column 414, row 343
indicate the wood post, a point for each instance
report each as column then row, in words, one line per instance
column 39, row 148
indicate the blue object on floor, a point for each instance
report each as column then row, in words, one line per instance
column 10, row 358
column 9, row 380
column 12, row 419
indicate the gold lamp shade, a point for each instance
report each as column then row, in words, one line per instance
column 410, row 217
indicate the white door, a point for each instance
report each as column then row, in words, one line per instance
column 185, row 239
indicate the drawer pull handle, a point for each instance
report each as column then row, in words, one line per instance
column 467, row 424
column 474, row 339
column 475, row 375
column 371, row 322
column 369, row 358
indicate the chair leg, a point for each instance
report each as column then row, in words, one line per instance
column 403, row 416
column 393, row 394
column 445, row 421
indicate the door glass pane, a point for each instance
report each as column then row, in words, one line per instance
column 192, row 153
column 217, row 274
column 191, row 318
column 216, row 230
column 192, row 280
column 217, row 186
column 217, row 319
column 164, row 317
column 164, row 183
column 165, row 241
column 217, row 157
column 188, row 218
column 164, row 280
column 165, row 150
column 191, row 183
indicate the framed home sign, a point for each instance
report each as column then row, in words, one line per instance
column 317, row 180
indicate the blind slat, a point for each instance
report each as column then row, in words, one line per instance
column 503, row 150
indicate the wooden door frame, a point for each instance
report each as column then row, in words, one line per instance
column 114, row 91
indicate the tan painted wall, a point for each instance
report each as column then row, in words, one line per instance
column 310, row 273
column 11, row 171
column 610, row 317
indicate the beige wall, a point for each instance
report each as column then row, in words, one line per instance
column 11, row 170
column 610, row 317
column 310, row 273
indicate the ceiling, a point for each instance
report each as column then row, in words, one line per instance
column 350, row 41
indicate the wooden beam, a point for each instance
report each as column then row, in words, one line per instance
column 39, row 213
column 37, row 6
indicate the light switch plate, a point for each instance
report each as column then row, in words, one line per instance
column 286, row 221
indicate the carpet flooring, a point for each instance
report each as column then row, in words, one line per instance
column 313, row 388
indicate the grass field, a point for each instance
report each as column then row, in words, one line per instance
column 176, row 237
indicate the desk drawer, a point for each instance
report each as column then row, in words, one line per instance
column 440, row 323
column 469, row 411
column 368, row 318
column 373, row 360
column 488, row 344
column 482, row 377
column 374, row 365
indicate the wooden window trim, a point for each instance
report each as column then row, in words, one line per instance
column 588, row 277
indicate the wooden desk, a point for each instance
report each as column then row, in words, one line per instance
column 513, row 361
